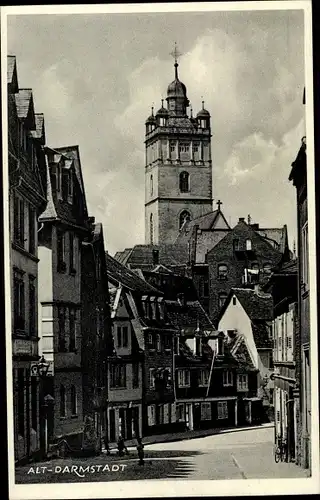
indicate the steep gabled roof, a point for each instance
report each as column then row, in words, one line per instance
column 142, row 256
column 261, row 334
column 12, row 71
column 39, row 132
column 72, row 152
column 25, row 107
column 189, row 316
column 258, row 305
column 203, row 223
column 118, row 273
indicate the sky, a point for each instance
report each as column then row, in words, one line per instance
column 96, row 76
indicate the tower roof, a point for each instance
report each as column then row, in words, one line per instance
column 162, row 111
column 203, row 112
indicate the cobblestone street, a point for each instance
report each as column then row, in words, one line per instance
column 246, row 454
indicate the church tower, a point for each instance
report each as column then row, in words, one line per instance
column 178, row 172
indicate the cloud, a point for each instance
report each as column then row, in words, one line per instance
column 248, row 67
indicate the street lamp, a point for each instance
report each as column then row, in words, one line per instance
column 42, row 368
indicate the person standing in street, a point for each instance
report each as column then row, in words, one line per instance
column 140, row 450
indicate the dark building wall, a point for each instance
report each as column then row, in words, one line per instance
column 262, row 253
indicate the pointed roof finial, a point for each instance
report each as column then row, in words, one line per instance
column 175, row 54
column 191, row 115
column 249, row 219
column 219, row 203
column 202, row 103
column 162, row 102
column 152, row 108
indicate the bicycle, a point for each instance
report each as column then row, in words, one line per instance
column 281, row 451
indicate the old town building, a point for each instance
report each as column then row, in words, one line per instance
column 242, row 258
column 178, row 171
column 96, row 334
column 298, row 176
column 63, row 227
column 249, row 313
column 27, row 199
column 282, row 284
column 144, row 365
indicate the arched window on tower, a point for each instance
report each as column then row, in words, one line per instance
column 184, row 217
column 184, row 182
column 151, row 185
column 151, row 229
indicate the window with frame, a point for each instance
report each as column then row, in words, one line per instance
column 167, row 376
column 183, row 378
column 63, row 401
column 32, row 230
column 151, row 184
column 118, row 377
column 248, row 244
column 151, row 415
column 235, row 244
column 18, row 221
column 122, row 336
column 184, row 147
column 135, row 375
column 195, row 147
column 159, row 345
column 73, row 398
column 180, row 412
column 184, row 182
column 72, row 269
column 167, row 342
column 62, row 343
column 184, row 217
column 72, row 330
column 152, row 342
column 222, row 272
column 222, row 298
column 305, row 255
column 151, row 378
column 32, row 307
column 234, row 301
column 222, row 408
column 204, row 378
column 61, row 251
column 227, row 378
column 206, row 413
column 19, row 300
column 242, row 382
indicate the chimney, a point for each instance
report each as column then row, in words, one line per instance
column 254, row 226
column 241, row 219
column 155, row 257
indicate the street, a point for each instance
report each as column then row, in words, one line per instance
column 245, row 454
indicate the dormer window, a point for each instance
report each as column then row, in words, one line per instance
column 162, row 121
column 203, row 123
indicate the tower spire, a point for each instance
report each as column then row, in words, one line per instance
column 175, row 54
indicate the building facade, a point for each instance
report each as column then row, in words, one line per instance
column 249, row 313
column 178, row 171
column 283, row 287
column 63, row 228
column 242, row 258
column 298, row 176
column 96, row 332
column 27, row 199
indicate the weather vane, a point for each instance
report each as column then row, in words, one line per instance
column 175, row 53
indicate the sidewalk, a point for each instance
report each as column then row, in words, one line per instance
column 181, row 436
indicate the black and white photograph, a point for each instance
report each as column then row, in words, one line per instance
column 159, row 244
